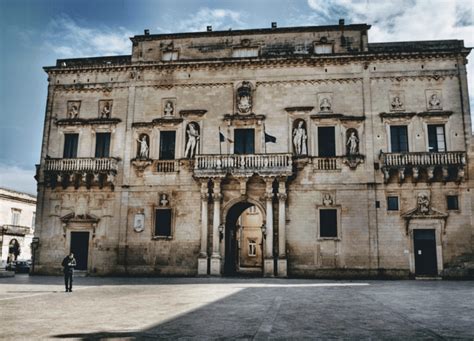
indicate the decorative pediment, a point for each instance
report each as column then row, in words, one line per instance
column 248, row 119
column 423, row 210
column 84, row 121
column 81, row 218
column 192, row 112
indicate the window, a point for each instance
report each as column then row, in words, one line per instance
column 33, row 220
column 245, row 52
column 244, row 141
column 436, row 140
column 392, row 203
column 169, row 56
column 167, row 145
column 102, row 145
column 326, row 142
column 328, row 223
column 452, row 202
column 252, row 210
column 323, row 48
column 163, row 223
column 399, row 139
column 70, row 145
column 252, row 248
column 16, row 216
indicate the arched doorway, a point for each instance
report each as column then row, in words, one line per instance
column 243, row 240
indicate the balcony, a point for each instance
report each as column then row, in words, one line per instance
column 448, row 165
column 15, row 230
column 244, row 165
column 81, row 171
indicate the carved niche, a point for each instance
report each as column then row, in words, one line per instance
column 244, row 98
column 105, row 108
column 325, row 102
column 193, row 135
column 73, row 109
column 434, row 100
column 168, row 107
column 299, row 137
column 397, row 100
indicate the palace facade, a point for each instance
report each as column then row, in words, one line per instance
column 299, row 151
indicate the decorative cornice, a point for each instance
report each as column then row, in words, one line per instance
column 394, row 115
column 308, row 81
column 159, row 122
column 301, row 109
column 435, row 113
column 192, row 112
column 244, row 118
column 85, row 121
column 423, row 77
column 397, row 115
column 340, row 117
column 105, row 88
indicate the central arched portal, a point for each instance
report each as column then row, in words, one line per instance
column 244, row 240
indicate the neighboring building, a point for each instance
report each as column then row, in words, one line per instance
column 354, row 156
column 17, row 223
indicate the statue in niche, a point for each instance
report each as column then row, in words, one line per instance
column 105, row 113
column 325, row 105
column 352, row 142
column 396, row 104
column 164, row 200
column 73, row 111
column 193, row 140
column 143, row 148
column 434, row 102
column 169, row 108
column 327, row 200
column 423, row 203
column 244, row 98
column 299, row 138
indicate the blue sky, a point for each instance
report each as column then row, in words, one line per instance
column 35, row 33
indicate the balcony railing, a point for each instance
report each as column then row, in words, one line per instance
column 94, row 165
column 327, row 163
column 278, row 164
column 16, row 230
column 423, row 159
column 167, row 166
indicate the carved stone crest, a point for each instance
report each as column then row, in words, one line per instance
column 244, row 98
column 325, row 102
column 397, row 100
column 139, row 222
column 434, row 100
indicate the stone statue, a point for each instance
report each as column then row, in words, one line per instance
column 299, row 139
column 164, row 200
column 169, row 109
column 434, row 102
column 396, row 104
column 143, row 153
column 244, row 98
column 73, row 111
column 105, row 113
column 353, row 143
column 325, row 105
column 193, row 139
column 327, row 200
column 423, row 203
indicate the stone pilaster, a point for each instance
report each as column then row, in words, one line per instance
column 282, row 259
column 203, row 258
column 216, row 256
column 268, row 265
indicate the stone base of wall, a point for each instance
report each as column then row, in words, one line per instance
column 349, row 273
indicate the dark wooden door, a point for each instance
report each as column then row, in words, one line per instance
column 80, row 248
column 244, row 141
column 425, row 252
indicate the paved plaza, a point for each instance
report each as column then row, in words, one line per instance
column 234, row 308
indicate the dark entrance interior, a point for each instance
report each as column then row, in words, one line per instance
column 231, row 259
column 80, row 248
column 425, row 252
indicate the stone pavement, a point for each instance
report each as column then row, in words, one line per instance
column 234, row 308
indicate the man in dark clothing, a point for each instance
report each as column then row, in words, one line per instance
column 69, row 262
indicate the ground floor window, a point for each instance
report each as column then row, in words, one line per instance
column 163, row 223
column 328, row 223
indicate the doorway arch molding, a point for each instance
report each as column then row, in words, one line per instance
column 242, row 199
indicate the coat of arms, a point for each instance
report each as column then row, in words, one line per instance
column 244, row 98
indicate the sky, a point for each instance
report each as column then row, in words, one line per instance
column 34, row 33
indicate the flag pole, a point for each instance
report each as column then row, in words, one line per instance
column 264, row 139
column 220, row 142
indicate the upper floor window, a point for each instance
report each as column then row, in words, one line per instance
column 399, row 139
column 16, row 216
column 392, row 203
column 102, row 145
column 70, row 145
column 244, row 141
column 326, row 142
column 252, row 248
column 168, row 56
column 167, row 145
column 245, row 52
column 452, row 202
column 436, row 138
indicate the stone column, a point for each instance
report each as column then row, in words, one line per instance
column 282, row 260
column 202, row 260
column 216, row 256
column 268, row 268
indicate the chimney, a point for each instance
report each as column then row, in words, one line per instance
column 209, row 28
column 147, row 32
column 274, row 24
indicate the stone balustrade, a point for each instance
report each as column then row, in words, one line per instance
column 15, row 230
column 262, row 164
column 327, row 163
column 167, row 166
column 81, row 165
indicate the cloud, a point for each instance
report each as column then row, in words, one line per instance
column 68, row 39
column 218, row 18
column 17, row 178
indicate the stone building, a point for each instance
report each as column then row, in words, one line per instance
column 17, row 224
column 353, row 154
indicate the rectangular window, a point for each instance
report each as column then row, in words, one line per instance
column 102, row 144
column 244, row 141
column 323, row 48
column 436, row 139
column 16, row 216
column 245, row 52
column 252, row 248
column 326, row 142
column 70, row 146
column 167, row 145
column 452, row 202
column 399, row 139
column 328, row 223
column 169, row 56
column 163, row 223
column 392, row 203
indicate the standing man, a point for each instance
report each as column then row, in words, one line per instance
column 69, row 262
